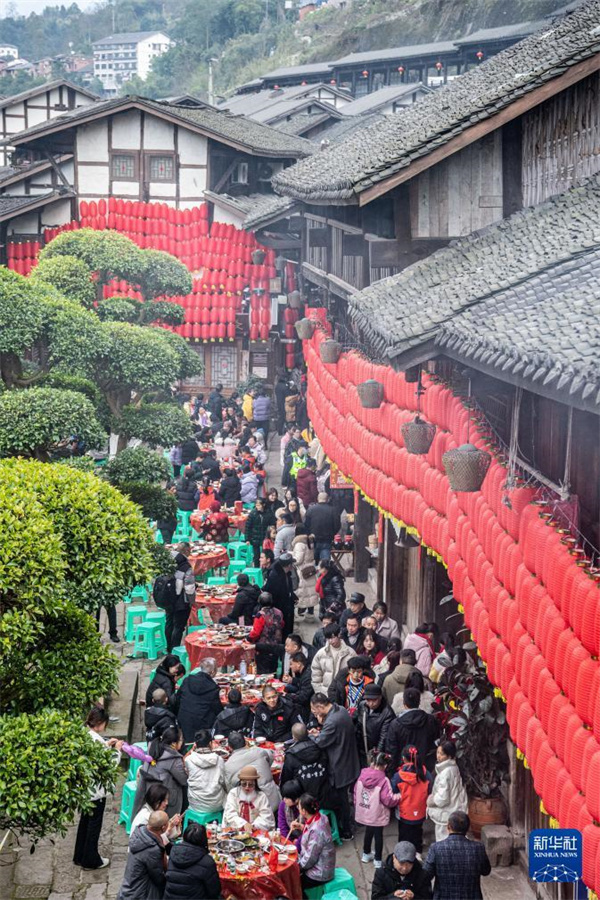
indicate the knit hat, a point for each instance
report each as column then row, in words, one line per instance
column 373, row 692
column 247, row 773
column 405, row 852
column 215, row 506
column 357, row 597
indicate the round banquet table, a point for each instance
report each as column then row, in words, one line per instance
column 217, row 606
column 259, row 886
column 204, row 562
column 235, row 521
column 198, row 647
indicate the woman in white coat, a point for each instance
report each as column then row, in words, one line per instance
column 448, row 794
column 304, row 559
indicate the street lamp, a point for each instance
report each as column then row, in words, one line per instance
column 212, row 60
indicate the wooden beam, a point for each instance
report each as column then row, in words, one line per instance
column 512, row 168
column 228, row 171
column 470, row 135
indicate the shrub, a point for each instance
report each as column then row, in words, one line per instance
column 157, row 424
column 118, row 309
column 70, row 276
column 156, row 503
column 138, row 464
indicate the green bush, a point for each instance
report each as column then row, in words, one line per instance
column 156, row 503
column 119, row 309
column 157, row 424
column 162, row 311
column 70, row 276
column 50, row 767
column 82, row 463
column 35, row 420
column 164, row 561
column 138, row 464
column 162, row 275
column 69, row 382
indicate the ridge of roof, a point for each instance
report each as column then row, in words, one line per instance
column 374, row 154
column 42, row 88
column 408, row 50
column 129, row 37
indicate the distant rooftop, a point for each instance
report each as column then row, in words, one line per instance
column 128, row 37
column 374, row 101
column 407, row 52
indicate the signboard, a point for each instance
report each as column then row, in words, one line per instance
column 337, row 481
column 555, row 854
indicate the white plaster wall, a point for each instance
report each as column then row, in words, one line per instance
column 158, row 134
column 227, row 216
column 92, row 142
column 82, row 100
column 35, row 116
column 58, row 213
column 94, row 180
column 193, row 148
column 126, row 130
column 162, row 189
column 192, row 182
column 25, row 224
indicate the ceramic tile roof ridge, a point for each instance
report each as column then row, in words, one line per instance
column 370, row 156
column 47, row 86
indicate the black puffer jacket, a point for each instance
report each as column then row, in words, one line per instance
column 230, row 490
column 275, row 724
column 189, row 451
column 156, row 719
column 187, row 494
column 144, row 873
column 334, row 593
column 416, row 727
column 246, row 599
column 322, row 521
column 234, row 718
column 162, row 679
column 191, row 874
column 372, row 725
column 305, row 763
column 387, row 881
column 299, row 691
column 197, row 704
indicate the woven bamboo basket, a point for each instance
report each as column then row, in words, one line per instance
column 466, row 467
column 418, row 435
column 330, row 351
column 305, row 328
column 370, row 393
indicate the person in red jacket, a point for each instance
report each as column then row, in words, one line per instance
column 216, row 525
column 306, row 483
column 412, row 782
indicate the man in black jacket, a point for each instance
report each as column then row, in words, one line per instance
column 208, row 466
column 246, row 601
column 197, row 702
column 235, row 716
column 323, row 522
column 415, row 727
column 274, row 717
column 279, row 585
column 319, row 640
column 299, row 689
column 401, row 872
column 306, row 764
column 215, row 402
column 373, row 720
column 158, row 716
column 145, row 870
column 189, row 451
column 356, row 607
column 353, row 634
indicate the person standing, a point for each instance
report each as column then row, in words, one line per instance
column 303, row 553
column 267, row 634
column 457, row 864
column 330, row 589
column 246, row 602
column 284, row 537
column 422, row 641
column 337, row 738
column 192, row 872
column 412, row 783
column 373, row 720
column 182, row 597
column 331, row 659
column 373, row 799
column 299, row 688
column 197, row 702
column 395, row 682
column 281, row 392
column 187, row 491
column 146, row 861
column 413, row 727
column 261, row 412
column 386, row 627
column 306, row 764
column 279, row 585
column 306, row 483
column 215, row 402
column 323, row 523
column 257, row 524
column 90, row 824
column 448, row 794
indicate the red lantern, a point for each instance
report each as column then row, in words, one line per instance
column 439, row 65
column 479, row 55
column 401, row 70
column 365, row 73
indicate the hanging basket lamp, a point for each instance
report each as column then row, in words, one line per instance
column 305, row 328
column 330, row 351
column 258, row 257
column 411, row 376
column 406, row 541
column 370, row 393
column 295, row 299
column 417, row 435
column 466, row 467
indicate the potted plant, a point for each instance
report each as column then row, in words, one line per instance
column 474, row 718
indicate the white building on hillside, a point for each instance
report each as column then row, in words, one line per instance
column 119, row 57
column 7, row 50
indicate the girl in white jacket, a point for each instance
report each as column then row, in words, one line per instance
column 206, row 775
column 448, row 794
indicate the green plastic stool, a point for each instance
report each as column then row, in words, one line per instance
column 182, row 653
column 342, row 880
column 344, row 894
column 127, row 798
column 216, row 580
column 235, row 568
column 157, row 615
column 333, row 824
column 202, row 818
column 158, row 538
column 255, row 575
column 134, row 615
column 141, row 592
column 135, row 764
column 183, row 521
column 237, row 550
column 149, row 639
column 315, row 893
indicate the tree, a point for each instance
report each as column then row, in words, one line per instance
column 34, row 421
column 69, row 275
column 157, row 424
column 156, row 503
column 138, row 464
column 50, row 766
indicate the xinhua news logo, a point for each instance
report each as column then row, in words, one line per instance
column 555, row 854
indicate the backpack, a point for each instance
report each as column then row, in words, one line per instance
column 163, row 592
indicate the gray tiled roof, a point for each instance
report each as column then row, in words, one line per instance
column 374, row 154
column 256, row 207
column 308, row 69
column 349, row 125
column 371, row 102
column 410, row 51
column 10, row 206
column 42, row 88
column 128, row 37
column 519, row 29
column 510, row 289
column 245, row 133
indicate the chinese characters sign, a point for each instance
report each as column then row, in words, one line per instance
column 555, row 854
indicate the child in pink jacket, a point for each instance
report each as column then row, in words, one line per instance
column 373, row 799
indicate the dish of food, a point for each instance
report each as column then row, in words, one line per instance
column 230, row 846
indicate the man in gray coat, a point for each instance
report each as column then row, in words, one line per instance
column 260, row 758
column 337, row 737
column 144, row 877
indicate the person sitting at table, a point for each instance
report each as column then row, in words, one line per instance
column 192, row 872
column 198, row 700
column 298, row 688
column 146, row 861
column 157, row 800
column 267, row 634
column 206, row 775
column 187, row 490
column 274, row 717
column 167, row 768
column 246, row 602
column 259, row 757
column 247, row 806
column 216, row 525
column 259, row 520
column 273, row 500
column 288, row 811
column 235, row 716
column 230, row 489
column 158, row 716
column 249, row 483
column 165, row 678
column 317, row 850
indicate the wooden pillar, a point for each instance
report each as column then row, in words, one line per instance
column 362, row 530
column 512, row 187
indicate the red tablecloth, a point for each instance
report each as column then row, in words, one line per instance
column 204, row 562
column 283, row 883
column 198, row 647
column 216, row 606
column 235, row 521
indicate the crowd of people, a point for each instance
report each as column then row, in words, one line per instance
column 356, row 713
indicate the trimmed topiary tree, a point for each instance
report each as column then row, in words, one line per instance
column 118, row 309
column 138, row 464
column 157, row 424
column 156, row 502
column 69, row 275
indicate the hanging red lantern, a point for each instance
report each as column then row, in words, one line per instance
column 479, row 55
column 439, row 65
column 365, row 73
column 401, row 70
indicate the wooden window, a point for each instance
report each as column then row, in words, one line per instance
column 160, row 167
column 124, row 166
